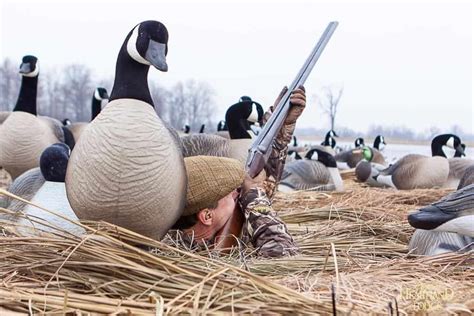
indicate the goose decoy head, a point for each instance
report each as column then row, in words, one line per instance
column 332, row 133
column 29, row 66
column 222, row 126
column 320, row 155
column 460, row 153
column 66, row 122
column 294, row 154
column 359, row 142
column 101, row 94
column 53, row 162
column 379, row 142
column 203, row 127
column 148, row 44
column 449, row 140
column 186, row 129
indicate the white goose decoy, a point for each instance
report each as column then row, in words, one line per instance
column 23, row 134
column 317, row 172
column 127, row 168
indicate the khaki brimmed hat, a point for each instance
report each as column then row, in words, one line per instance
column 209, row 180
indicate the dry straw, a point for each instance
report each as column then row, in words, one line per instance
column 353, row 242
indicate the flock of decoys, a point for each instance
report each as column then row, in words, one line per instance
column 128, row 164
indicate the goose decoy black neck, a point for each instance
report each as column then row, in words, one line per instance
column 53, row 162
column 145, row 45
column 100, row 94
column 449, row 140
column 202, row 129
column 29, row 69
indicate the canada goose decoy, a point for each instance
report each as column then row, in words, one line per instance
column 350, row 158
column 127, row 168
column 51, row 195
column 430, row 242
column 379, row 143
column 202, row 129
column 24, row 135
column 100, row 98
column 418, row 171
column 318, row 171
column 454, row 213
column 330, row 142
column 359, row 142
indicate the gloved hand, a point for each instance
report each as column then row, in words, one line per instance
column 257, row 182
column 297, row 105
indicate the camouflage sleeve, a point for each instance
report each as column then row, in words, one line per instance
column 263, row 228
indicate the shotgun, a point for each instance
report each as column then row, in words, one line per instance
column 261, row 148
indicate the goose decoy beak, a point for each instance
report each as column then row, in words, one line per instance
column 460, row 150
column 25, row 68
column 156, row 55
column 429, row 218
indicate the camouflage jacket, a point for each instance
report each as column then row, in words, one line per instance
column 263, row 228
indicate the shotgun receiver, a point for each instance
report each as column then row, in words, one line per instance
column 261, row 148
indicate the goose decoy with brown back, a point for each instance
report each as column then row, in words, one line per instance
column 100, row 98
column 318, row 171
column 24, row 135
column 127, row 168
column 417, row 171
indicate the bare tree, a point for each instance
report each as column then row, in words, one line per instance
column 10, row 81
column 192, row 103
column 329, row 101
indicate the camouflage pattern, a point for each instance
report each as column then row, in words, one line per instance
column 263, row 228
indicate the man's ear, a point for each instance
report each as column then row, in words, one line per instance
column 205, row 216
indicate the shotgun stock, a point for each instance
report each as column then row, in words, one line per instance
column 261, row 148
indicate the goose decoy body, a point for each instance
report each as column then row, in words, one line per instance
column 127, row 168
column 100, row 98
column 24, row 135
column 418, row 171
column 318, row 171
column 350, row 158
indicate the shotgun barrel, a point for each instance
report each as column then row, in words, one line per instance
column 261, row 148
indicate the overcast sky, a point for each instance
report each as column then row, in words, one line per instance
column 401, row 63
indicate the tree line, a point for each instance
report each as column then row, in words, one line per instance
column 67, row 93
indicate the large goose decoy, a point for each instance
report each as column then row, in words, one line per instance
column 418, row 171
column 51, row 194
column 127, row 168
column 100, row 98
column 23, row 134
column 446, row 225
column 318, row 171
column 379, row 143
column 350, row 158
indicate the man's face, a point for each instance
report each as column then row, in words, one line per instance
column 210, row 221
